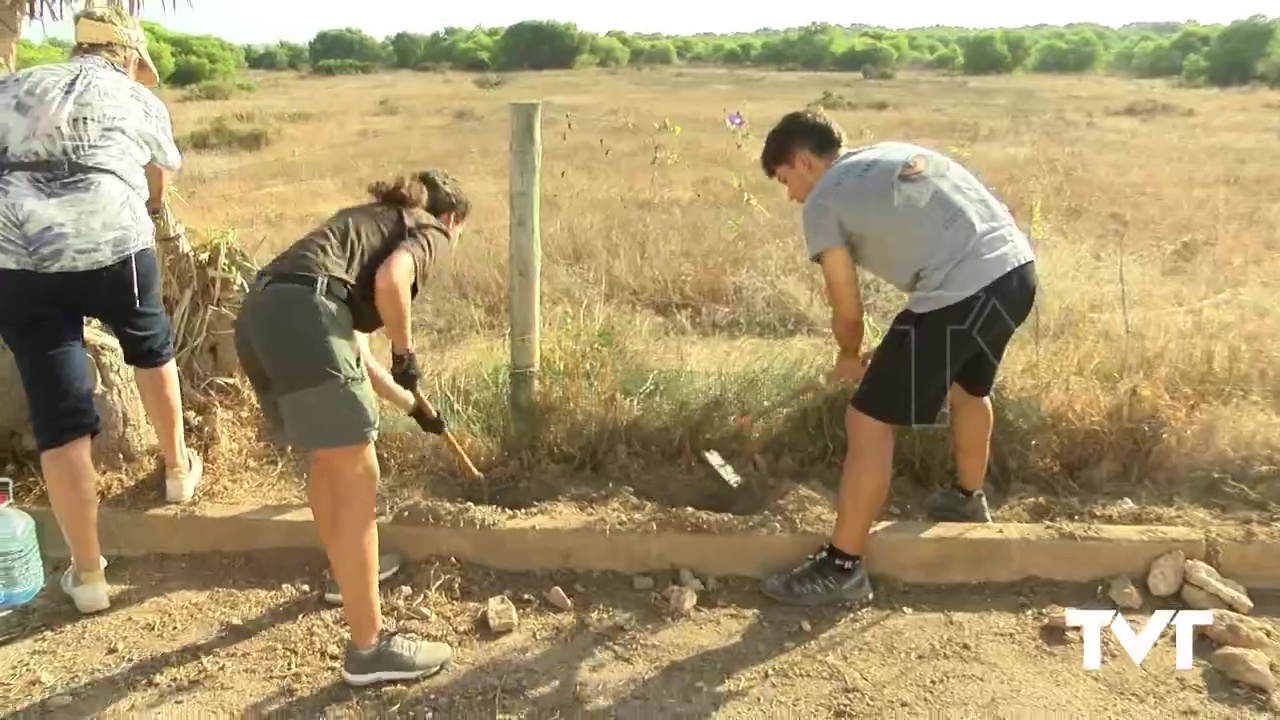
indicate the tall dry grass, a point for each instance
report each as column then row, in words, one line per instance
column 680, row 312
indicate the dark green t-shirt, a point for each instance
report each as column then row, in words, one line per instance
column 351, row 244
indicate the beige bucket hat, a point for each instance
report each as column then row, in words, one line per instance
column 113, row 26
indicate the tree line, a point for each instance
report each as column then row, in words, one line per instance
column 1239, row 53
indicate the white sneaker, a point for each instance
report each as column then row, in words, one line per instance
column 89, row 597
column 180, row 483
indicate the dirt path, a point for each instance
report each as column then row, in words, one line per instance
column 246, row 635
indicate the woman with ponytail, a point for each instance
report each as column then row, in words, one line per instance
column 302, row 339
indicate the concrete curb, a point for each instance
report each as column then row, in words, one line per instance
column 913, row 552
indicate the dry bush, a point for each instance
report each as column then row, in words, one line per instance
column 681, row 313
column 1151, row 107
column 218, row 90
column 228, row 134
column 836, row 101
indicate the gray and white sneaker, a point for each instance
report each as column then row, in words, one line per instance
column 395, row 657
column 388, row 565
column 821, row 580
column 950, row 505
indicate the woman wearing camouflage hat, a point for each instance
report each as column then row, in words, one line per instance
column 85, row 150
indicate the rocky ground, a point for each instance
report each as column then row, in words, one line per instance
column 249, row 635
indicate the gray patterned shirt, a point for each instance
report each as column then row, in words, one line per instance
column 87, row 110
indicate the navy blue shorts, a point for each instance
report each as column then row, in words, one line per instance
column 42, row 322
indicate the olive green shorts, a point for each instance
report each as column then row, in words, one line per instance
column 298, row 349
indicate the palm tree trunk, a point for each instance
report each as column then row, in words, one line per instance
column 12, row 14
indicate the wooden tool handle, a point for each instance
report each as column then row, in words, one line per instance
column 458, row 452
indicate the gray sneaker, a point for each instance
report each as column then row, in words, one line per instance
column 395, row 657
column 950, row 505
column 820, row 580
column 388, row 565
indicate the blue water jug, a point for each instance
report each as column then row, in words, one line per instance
column 21, row 565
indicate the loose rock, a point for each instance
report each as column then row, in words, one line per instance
column 682, row 600
column 642, row 582
column 1204, row 576
column 58, row 702
column 617, row 619
column 501, row 614
column 1124, row 593
column 1055, row 616
column 1245, row 665
column 686, row 577
column 556, row 597
column 1230, row 629
column 1167, row 573
column 1202, row 599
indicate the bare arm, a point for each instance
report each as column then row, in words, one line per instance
column 844, row 295
column 157, row 185
column 825, row 241
column 380, row 377
column 156, row 132
column 392, row 286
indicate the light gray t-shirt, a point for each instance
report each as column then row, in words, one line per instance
column 916, row 219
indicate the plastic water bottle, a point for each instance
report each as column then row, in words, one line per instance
column 21, row 565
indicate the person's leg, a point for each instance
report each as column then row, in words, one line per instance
column 342, row 485
column 965, row 500
column 327, row 406
column 53, row 364
column 972, row 418
column 900, row 388
column 1005, row 305
column 132, row 308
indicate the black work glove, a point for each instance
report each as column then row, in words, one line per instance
column 433, row 424
column 404, row 370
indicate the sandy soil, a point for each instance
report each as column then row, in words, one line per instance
column 247, row 635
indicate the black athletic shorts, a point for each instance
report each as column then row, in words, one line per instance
column 924, row 354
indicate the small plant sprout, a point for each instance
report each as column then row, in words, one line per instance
column 737, row 124
column 661, row 155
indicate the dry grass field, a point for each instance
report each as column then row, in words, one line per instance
column 680, row 313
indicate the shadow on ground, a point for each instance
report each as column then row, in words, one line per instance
column 562, row 675
column 161, row 576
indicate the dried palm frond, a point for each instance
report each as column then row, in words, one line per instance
column 56, row 9
column 203, row 282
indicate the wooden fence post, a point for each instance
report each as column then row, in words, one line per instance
column 524, row 274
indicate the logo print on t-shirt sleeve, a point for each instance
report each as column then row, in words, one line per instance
column 914, row 184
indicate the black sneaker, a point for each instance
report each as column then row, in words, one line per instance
column 388, row 565
column 395, row 657
column 950, row 505
column 820, row 581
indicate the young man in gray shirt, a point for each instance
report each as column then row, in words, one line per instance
column 927, row 226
